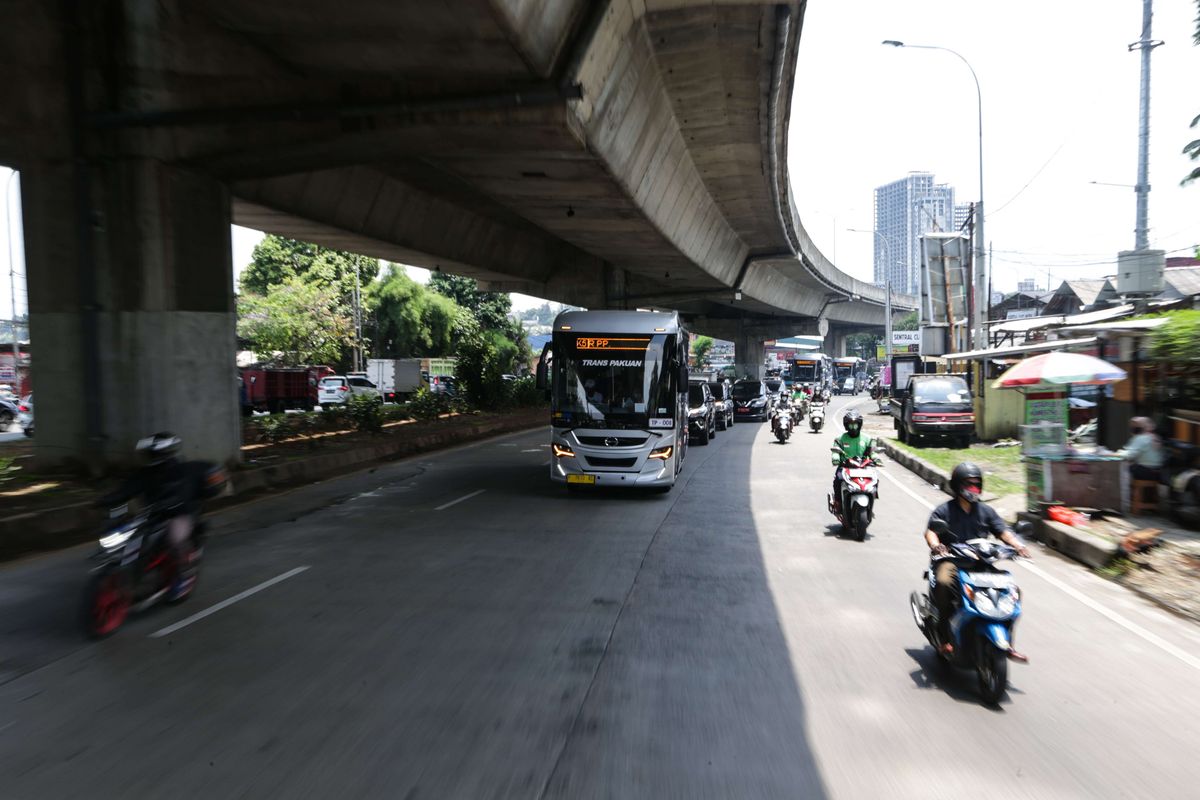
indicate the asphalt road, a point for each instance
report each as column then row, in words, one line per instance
column 456, row 626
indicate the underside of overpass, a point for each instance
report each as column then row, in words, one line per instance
column 629, row 153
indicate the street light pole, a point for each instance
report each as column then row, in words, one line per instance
column 980, row 266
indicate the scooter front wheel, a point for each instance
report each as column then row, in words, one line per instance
column 107, row 601
column 861, row 520
column 993, row 674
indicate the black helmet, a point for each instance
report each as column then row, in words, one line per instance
column 852, row 422
column 967, row 482
column 159, row 448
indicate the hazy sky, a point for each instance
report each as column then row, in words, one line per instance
column 1060, row 109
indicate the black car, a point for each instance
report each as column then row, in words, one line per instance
column 750, row 400
column 722, row 393
column 702, row 413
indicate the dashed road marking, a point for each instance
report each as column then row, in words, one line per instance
column 226, row 603
column 459, row 500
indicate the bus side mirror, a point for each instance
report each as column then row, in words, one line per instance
column 542, row 384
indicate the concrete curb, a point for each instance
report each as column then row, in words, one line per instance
column 921, row 468
column 66, row 526
column 1084, row 547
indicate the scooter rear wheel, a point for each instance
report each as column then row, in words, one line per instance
column 106, row 602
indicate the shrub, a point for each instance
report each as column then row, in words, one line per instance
column 7, row 470
column 367, row 413
column 273, row 428
column 427, row 405
column 333, row 418
column 525, row 394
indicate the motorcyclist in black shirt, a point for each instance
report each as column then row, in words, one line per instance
column 967, row 518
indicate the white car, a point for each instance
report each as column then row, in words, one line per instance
column 338, row 389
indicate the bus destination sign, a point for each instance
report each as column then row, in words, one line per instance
column 607, row 344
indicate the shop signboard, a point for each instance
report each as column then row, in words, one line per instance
column 906, row 342
column 1045, row 407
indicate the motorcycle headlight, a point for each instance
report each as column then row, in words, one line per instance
column 116, row 539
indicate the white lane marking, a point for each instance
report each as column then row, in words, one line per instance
column 909, row 491
column 1099, row 608
column 225, row 603
column 459, row 500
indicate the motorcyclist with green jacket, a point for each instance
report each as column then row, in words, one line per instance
column 851, row 444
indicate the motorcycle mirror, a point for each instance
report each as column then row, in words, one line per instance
column 939, row 527
column 1023, row 528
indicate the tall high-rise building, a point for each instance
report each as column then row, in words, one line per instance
column 904, row 210
column 961, row 212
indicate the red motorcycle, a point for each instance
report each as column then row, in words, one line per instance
column 859, row 487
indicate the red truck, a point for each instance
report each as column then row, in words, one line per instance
column 276, row 389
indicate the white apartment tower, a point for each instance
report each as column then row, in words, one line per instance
column 904, row 210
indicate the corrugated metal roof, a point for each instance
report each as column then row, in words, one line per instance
column 1020, row 349
column 1184, row 280
column 1122, row 325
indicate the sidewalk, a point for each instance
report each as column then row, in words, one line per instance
column 54, row 513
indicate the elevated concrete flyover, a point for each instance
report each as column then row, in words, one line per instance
column 625, row 153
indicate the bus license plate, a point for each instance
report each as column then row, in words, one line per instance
column 572, row 478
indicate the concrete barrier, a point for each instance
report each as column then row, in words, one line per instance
column 1087, row 548
column 69, row 525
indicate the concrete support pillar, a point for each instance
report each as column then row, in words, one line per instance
column 835, row 343
column 145, row 256
column 748, row 355
column 615, row 287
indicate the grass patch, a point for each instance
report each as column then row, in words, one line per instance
column 1003, row 470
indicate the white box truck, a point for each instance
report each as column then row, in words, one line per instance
column 396, row 378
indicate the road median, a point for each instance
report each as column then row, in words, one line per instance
column 74, row 518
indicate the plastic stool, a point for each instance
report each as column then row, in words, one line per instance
column 1143, row 496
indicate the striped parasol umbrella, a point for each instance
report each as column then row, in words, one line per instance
column 1059, row 368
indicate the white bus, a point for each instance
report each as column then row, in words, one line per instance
column 618, row 384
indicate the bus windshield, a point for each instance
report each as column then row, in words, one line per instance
column 614, row 381
column 804, row 371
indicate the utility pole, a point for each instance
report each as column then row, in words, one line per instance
column 357, row 322
column 1146, row 45
column 12, row 284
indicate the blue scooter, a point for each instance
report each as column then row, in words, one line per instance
column 988, row 608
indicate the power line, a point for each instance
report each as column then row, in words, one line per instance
column 1029, row 183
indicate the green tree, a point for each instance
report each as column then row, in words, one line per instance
column 908, row 322
column 491, row 311
column 701, row 346
column 1179, row 339
column 478, row 369
column 300, row 321
column 276, row 258
column 862, row 344
column 1192, row 148
column 409, row 320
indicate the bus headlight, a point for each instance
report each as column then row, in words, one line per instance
column 562, row 451
column 662, row 452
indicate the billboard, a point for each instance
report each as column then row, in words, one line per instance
column 945, row 264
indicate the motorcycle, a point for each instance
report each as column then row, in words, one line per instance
column 855, row 509
column 781, row 424
column 816, row 417
column 989, row 605
column 799, row 409
column 134, row 566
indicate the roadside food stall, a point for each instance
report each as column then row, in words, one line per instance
column 1056, row 474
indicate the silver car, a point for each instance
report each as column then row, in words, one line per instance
column 336, row 390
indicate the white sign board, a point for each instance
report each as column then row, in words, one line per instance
column 1021, row 313
column 906, row 341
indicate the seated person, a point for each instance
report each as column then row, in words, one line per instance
column 1143, row 451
